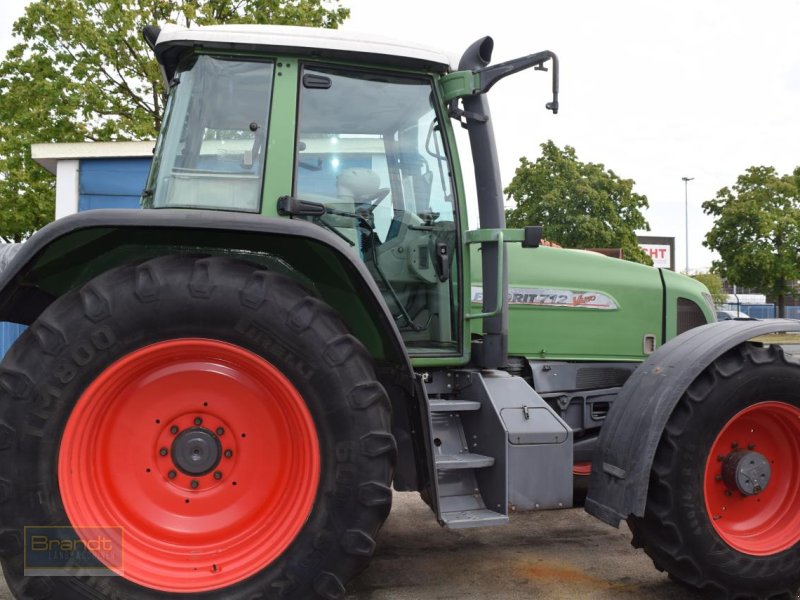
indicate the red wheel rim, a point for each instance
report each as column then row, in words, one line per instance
column 767, row 522
column 582, row 468
column 239, row 516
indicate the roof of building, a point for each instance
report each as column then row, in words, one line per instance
column 49, row 154
column 322, row 43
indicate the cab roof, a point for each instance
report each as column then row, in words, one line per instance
column 303, row 41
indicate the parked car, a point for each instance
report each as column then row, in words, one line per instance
column 729, row 315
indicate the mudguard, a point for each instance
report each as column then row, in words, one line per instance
column 63, row 255
column 629, row 437
column 69, row 252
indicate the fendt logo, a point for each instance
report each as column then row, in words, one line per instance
column 518, row 296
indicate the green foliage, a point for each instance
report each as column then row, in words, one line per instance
column 757, row 231
column 714, row 284
column 82, row 72
column 581, row 205
column 26, row 189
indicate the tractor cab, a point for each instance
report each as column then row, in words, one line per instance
column 328, row 132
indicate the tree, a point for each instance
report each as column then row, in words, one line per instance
column 26, row 189
column 82, row 72
column 757, row 231
column 581, row 205
column 714, row 284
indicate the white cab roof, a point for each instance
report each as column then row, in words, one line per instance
column 324, row 43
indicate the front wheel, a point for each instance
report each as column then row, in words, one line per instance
column 722, row 508
column 214, row 421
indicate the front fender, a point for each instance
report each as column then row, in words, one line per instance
column 630, row 436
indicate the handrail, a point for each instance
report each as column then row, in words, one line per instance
column 500, row 237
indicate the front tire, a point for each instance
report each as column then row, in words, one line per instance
column 721, row 512
column 219, row 413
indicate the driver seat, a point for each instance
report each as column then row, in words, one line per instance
column 356, row 187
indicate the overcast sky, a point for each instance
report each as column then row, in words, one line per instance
column 655, row 90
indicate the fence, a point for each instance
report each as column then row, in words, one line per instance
column 763, row 311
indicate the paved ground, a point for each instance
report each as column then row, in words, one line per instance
column 559, row 555
column 547, row 556
column 792, row 349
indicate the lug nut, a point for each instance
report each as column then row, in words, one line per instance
column 174, row 430
column 163, row 452
column 195, row 484
column 220, row 431
column 172, row 474
column 198, row 421
column 228, row 453
column 751, row 446
column 218, row 475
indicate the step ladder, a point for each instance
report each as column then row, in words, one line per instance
column 469, row 452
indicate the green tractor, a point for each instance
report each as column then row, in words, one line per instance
column 216, row 396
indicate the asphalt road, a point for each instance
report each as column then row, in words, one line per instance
column 555, row 555
column 559, row 555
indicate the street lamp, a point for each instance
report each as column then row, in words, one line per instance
column 686, row 181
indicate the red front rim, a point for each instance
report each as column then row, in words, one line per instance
column 129, row 455
column 766, row 522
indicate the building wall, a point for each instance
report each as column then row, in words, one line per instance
column 112, row 182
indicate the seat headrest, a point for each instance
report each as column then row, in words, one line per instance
column 358, row 183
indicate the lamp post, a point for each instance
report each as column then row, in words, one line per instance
column 686, row 181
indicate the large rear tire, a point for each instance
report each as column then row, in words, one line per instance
column 722, row 508
column 218, row 413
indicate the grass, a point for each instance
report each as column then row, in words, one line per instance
column 778, row 338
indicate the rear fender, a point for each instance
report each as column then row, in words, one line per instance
column 66, row 254
column 71, row 251
column 630, row 436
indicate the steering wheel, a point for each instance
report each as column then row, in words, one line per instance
column 376, row 199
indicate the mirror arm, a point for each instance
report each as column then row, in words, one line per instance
column 491, row 75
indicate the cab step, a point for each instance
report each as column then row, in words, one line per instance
column 464, row 519
column 468, row 456
column 465, row 460
column 454, row 405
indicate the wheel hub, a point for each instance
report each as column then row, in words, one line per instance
column 196, row 451
column 746, row 471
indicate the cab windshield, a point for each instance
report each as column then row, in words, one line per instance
column 370, row 150
column 211, row 151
